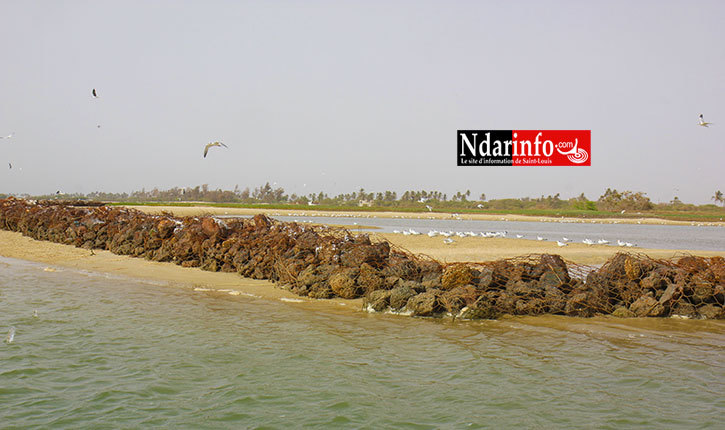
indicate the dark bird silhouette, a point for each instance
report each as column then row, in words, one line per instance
column 95, row 94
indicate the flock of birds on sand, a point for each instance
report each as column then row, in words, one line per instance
column 95, row 95
column 448, row 237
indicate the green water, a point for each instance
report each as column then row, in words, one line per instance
column 108, row 352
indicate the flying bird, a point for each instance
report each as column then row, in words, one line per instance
column 95, row 94
column 703, row 123
column 8, row 136
column 209, row 145
column 11, row 165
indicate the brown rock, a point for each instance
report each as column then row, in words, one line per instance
column 647, row 306
column 343, row 283
column 711, row 312
column 456, row 275
column 424, row 304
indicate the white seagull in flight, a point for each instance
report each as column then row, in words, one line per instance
column 8, row 136
column 209, row 145
column 703, row 123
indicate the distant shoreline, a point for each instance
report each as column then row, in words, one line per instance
column 220, row 210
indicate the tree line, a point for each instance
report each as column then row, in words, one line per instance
column 611, row 200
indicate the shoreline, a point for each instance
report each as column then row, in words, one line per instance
column 15, row 245
column 321, row 262
column 213, row 210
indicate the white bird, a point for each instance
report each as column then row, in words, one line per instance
column 448, row 241
column 588, row 242
column 602, row 241
column 703, row 123
column 480, row 206
column 432, row 233
column 8, row 136
column 209, row 145
column 565, row 239
column 430, row 209
column 620, row 243
column 560, row 243
column 519, row 236
column 539, row 238
column 11, row 335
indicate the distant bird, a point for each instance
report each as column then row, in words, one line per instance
column 10, row 164
column 35, row 313
column 11, row 335
column 560, row 243
column 209, row 145
column 430, row 209
column 588, row 242
column 565, row 239
column 519, row 236
column 448, row 241
column 703, row 123
column 602, row 241
column 539, row 238
column 95, row 94
column 8, row 136
column 620, row 243
column 480, row 206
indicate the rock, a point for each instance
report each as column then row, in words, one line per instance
column 377, row 300
column 646, row 306
column 210, row 227
column 623, row 312
column 485, row 279
column 554, row 263
column 369, row 278
column 456, row 299
column 320, row 290
column 399, row 296
column 456, row 275
column 711, row 312
column 424, row 304
column 483, row 308
column 357, row 255
column 343, row 283
column 672, row 292
column 577, row 306
column 684, row 309
column 653, row 282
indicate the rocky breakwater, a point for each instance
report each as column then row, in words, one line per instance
column 325, row 262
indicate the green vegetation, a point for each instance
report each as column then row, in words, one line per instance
column 612, row 204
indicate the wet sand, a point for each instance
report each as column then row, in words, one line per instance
column 15, row 245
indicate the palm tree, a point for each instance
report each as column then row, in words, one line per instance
column 718, row 197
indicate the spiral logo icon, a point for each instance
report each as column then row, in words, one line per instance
column 581, row 156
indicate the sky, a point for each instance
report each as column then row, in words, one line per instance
column 335, row 96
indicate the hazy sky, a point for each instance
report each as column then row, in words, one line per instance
column 338, row 95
